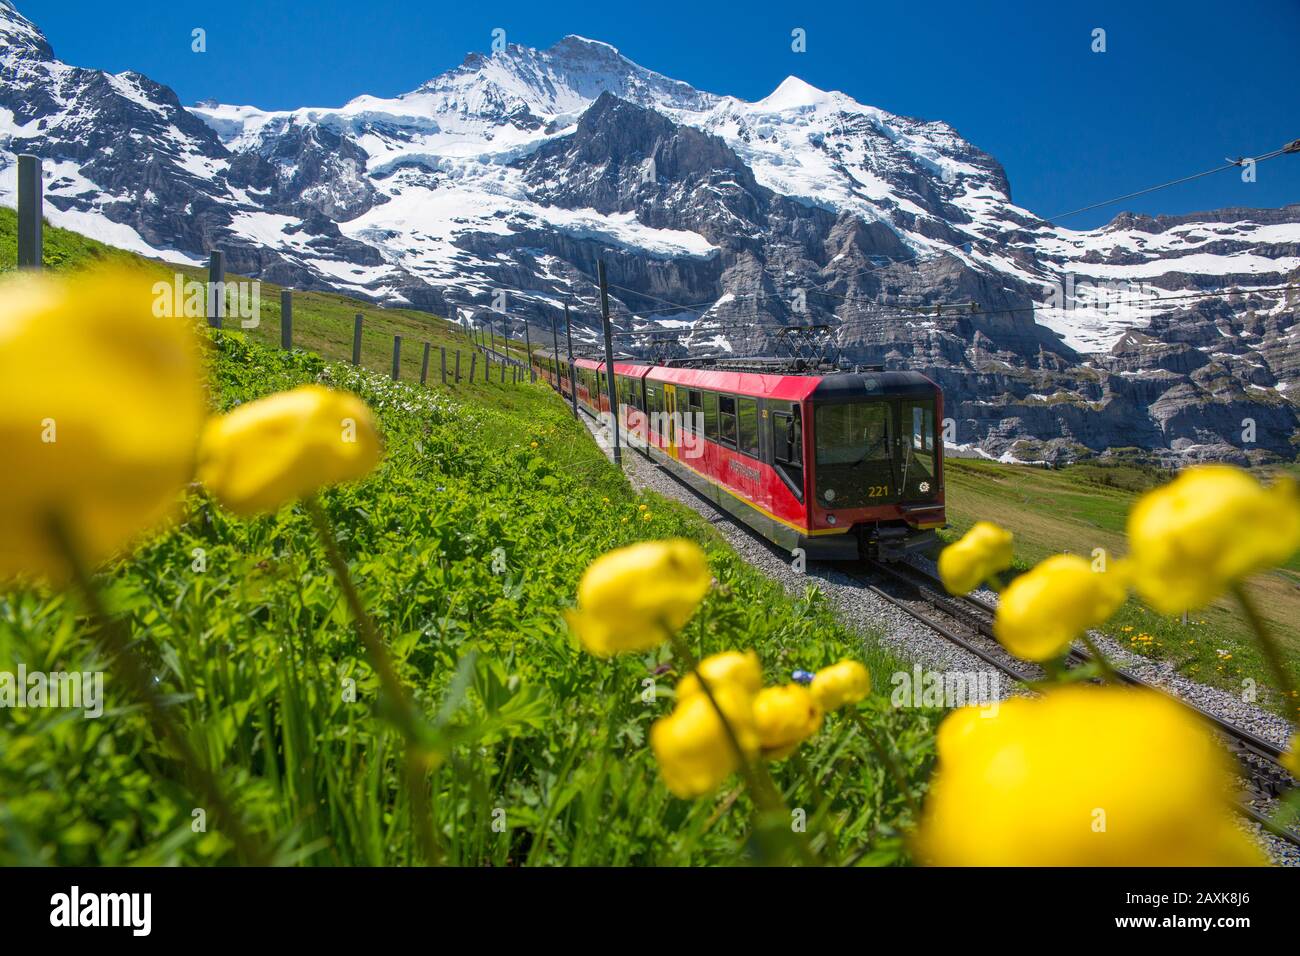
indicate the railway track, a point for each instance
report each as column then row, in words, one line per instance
column 967, row 622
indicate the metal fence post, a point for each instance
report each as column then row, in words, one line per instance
column 397, row 356
column 356, row 340
column 528, row 352
column 31, row 202
column 611, row 379
column 424, row 365
column 216, row 288
column 286, row 318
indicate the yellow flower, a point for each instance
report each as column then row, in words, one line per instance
column 1043, row 610
column 692, row 747
column 633, row 598
column 784, row 717
column 982, row 552
column 1208, row 528
column 741, row 671
column 101, row 404
column 285, row 447
column 647, row 516
column 844, row 683
column 641, row 507
column 1081, row 776
column 532, row 444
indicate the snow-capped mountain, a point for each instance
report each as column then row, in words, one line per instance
column 721, row 222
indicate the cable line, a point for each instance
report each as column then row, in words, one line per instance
column 1291, row 147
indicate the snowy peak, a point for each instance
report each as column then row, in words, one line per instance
column 795, row 94
column 560, row 81
column 19, row 36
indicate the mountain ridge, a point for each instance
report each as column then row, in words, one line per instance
column 516, row 171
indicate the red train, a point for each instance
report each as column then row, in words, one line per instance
column 843, row 465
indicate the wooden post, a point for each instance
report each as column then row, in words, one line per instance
column 356, row 339
column 286, row 319
column 424, row 365
column 397, row 357
column 609, row 359
column 473, row 360
column 442, row 361
column 216, row 288
column 503, row 372
column 573, row 377
column 31, row 203
column 458, row 366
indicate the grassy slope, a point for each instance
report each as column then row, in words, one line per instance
column 1085, row 507
column 257, row 645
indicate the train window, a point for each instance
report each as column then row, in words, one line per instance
column 727, row 420
column 747, row 413
column 693, row 413
column 787, row 448
column 787, row 437
column 918, row 467
column 711, row 415
column 652, row 404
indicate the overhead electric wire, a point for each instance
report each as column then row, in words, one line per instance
column 1291, row 147
column 737, row 323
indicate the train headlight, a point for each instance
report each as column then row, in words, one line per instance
column 923, row 487
column 829, row 494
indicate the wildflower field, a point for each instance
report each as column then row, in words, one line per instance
column 346, row 620
column 466, row 543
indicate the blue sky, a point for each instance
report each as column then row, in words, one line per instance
column 1181, row 86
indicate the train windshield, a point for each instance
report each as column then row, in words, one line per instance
column 871, row 453
column 855, row 460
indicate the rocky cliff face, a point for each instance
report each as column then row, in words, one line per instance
column 490, row 192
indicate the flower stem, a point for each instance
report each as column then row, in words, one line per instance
column 759, row 782
column 887, row 757
column 115, row 643
column 764, row 796
column 405, row 715
column 1269, row 648
column 1107, row 669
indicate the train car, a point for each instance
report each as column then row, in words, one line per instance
column 842, row 465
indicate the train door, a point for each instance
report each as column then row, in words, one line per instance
column 670, row 420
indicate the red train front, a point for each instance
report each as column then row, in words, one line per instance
column 842, row 465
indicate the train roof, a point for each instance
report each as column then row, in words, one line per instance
column 847, row 385
column 833, row 387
